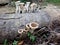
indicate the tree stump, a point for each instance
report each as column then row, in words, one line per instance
column 10, row 23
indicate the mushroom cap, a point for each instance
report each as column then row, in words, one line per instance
column 21, row 3
column 33, row 25
column 20, row 31
column 27, row 26
column 33, row 4
column 17, row 2
column 28, row 2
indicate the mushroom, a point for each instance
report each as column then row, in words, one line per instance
column 33, row 25
column 17, row 6
column 27, row 27
column 21, row 7
column 33, row 6
column 27, row 6
column 20, row 42
column 20, row 31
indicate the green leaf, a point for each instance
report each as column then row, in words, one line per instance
column 15, row 42
column 5, row 42
column 29, row 34
column 32, row 38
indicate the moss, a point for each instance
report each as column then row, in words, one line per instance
column 24, row 1
column 56, row 2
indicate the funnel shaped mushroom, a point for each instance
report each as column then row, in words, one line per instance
column 20, row 31
column 33, row 25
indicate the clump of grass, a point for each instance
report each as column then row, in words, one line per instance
column 5, row 42
column 56, row 2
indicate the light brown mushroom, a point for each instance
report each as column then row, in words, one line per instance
column 33, row 25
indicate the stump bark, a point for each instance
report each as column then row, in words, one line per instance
column 10, row 23
column 4, row 1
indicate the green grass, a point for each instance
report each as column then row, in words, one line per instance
column 55, row 2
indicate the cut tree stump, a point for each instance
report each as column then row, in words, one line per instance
column 10, row 23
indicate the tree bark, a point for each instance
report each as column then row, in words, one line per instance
column 9, row 24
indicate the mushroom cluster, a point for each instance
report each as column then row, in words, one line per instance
column 29, row 27
column 23, row 8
